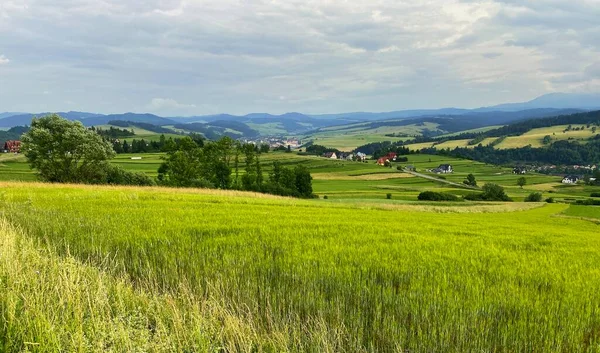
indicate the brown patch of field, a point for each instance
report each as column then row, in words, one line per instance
column 458, row 208
column 375, row 176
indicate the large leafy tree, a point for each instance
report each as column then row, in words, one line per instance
column 65, row 151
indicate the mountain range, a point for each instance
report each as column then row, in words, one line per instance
column 547, row 105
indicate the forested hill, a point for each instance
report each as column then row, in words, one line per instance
column 559, row 153
column 527, row 125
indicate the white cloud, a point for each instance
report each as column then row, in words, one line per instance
column 162, row 104
column 322, row 56
column 4, row 60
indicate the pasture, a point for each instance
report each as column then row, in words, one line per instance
column 122, row 268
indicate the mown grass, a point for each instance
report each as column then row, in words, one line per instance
column 298, row 275
column 591, row 212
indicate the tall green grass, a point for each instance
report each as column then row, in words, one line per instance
column 317, row 276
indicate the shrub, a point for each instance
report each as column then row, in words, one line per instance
column 388, row 196
column 588, row 202
column 325, row 197
column 595, row 194
column 437, row 196
column 550, row 200
column 399, row 168
column 491, row 192
column 534, row 197
column 115, row 175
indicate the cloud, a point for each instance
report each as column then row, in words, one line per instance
column 322, row 56
column 3, row 60
column 162, row 104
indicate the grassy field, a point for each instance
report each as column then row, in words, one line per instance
column 348, row 137
column 535, row 136
column 591, row 212
column 150, row 269
column 353, row 180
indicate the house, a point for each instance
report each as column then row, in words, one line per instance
column 570, row 179
column 443, row 169
column 391, row 156
column 330, row 155
column 12, row 146
column 349, row 157
column 361, row 156
column 520, row 170
column 383, row 161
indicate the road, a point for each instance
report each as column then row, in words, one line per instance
column 463, row 186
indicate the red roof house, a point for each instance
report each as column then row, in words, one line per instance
column 12, row 146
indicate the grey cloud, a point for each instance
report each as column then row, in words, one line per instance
column 197, row 56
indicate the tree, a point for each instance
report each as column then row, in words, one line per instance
column 534, row 197
column 264, row 148
column 303, row 181
column 547, row 140
column 522, row 182
column 470, row 180
column 289, row 149
column 65, row 151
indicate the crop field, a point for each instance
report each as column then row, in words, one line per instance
column 152, row 269
column 591, row 212
column 355, row 180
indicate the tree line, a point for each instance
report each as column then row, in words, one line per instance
column 231, row 165
column 559, row 153
column 65, row 151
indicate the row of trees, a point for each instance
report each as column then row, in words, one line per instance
column 228, row 164
column 65, row 151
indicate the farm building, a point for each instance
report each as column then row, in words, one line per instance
column 383, row 161
column 361, row 156
column 12, row 146
column 391, row 156
column 570, row 179
column 443, row 169
column 330, row 155
column 520, row 170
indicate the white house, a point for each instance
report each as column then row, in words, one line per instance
column 570, row 179
column 444, row 169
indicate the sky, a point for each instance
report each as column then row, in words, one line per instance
column 197, row 57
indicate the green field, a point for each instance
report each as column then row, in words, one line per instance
column 536, row 136
column 591, row 212
column 364, row 181
column 349, row 137
column 115, row 268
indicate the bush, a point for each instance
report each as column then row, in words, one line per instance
column 437, row 196
column 550, row 200
column 325, row 197
column 491, row 192
column 399, row 168
column 534, row 197
column 115, row 175
column 595, row 194
column 388, row 196
column 588, row 202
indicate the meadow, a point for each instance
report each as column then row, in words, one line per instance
column 350, row 180
column 119, row 268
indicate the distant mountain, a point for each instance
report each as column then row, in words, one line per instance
column 25, row 119
column 133, row 117
column 453, row 123
column 7, row 114
column 552, row 100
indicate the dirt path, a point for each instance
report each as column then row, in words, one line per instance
column 424, row 176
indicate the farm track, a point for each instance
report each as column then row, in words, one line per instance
column 424, row 176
